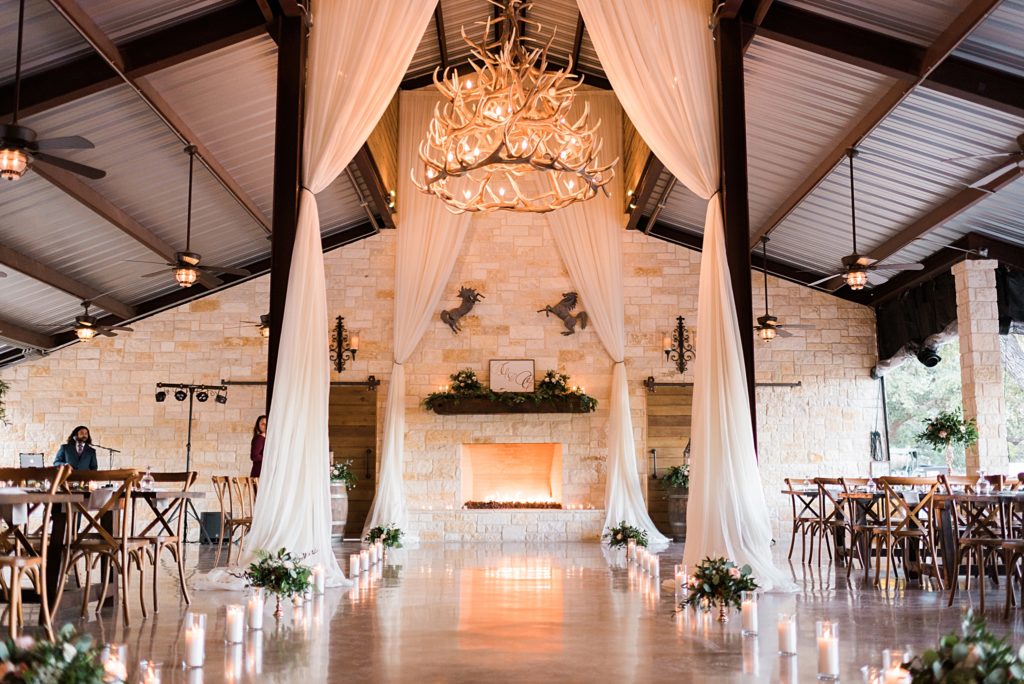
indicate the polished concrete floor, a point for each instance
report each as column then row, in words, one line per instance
column 533, row 613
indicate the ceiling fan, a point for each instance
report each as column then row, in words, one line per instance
column 88, row 327
column 1016, row 159
column 768, row 326
column 263, row 325
column 187, row 264
column 19, row 148
column 856, row 267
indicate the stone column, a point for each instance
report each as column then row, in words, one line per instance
column 981, row 362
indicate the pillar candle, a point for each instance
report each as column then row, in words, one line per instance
column 631, row 549
column 364, row 560
column 235, row 626
column 319, row 579
column 380, row 550
column 254, row 609
column 195, row 639
column 354, row 565
column 787, row 634
column 655, row 566
column 828, row 649
column 897, row 675
column 748, row 612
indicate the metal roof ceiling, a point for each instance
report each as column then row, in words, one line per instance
column 999, row 41
column 917, row 21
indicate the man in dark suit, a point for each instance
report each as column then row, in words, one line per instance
column 77, row 452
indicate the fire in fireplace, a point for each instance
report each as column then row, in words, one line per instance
column 511, row 475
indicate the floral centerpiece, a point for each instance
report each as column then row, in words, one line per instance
column 975, row 656
column 390, row 535
column 281, row 573
column 553, row 386
column 677, row 477
column 949, row 428
column 719, row 582
column 341, row 473
column 621, row 534
column 69, row 658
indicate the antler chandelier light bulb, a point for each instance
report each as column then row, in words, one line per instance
column 505, row 138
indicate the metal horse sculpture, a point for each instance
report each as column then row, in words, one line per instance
column 451, row 317
column 563, row 310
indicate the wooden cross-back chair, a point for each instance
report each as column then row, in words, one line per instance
column 236, row 496
column 165, row 530
column 832, row 514
column 24, row 546
column 909, row 521
column 91, row 541
column 806, row 518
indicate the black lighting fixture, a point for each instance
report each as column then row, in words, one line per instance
column 180, row 394
column 221, row 398
column 343, row 345
column 929, row 356
column 678, row 348
column 161, row 396
column 202, row 396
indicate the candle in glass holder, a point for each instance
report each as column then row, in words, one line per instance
column 319, row 579
column 195, row 639
column 787, row 634
column 235, row 625
column 354, row 565
column 631, row 549
column 748, row 613
column 828, row 649
column 115, row 663
column 149, row 672
column 655, row 566
column 380, row 549
column 892, row 661
column 254, row 608
column 364, row 560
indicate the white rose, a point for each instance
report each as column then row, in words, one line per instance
column 69, row 652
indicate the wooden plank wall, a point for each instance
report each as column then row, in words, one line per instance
column 383, row 142
column 353, row 436
column 668, row 431
column 635, row 152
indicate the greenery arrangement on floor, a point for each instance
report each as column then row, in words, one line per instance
column 621, row 534
column 281, row 574
column 390, row 535
column 976, row 656
column 341, row 473
column 70, row 657
column 554, row 387
column 718, row 582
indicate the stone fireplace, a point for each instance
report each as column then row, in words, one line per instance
column 505, row 474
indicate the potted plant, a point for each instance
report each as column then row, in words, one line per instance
column 677, row 481
column 390, row 535
column 70, row 657
column 342, row 480
column 718, row 582
column 949, row 428
column 621, row 534
column 281, row 574
column 974, row 656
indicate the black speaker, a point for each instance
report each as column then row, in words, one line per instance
column 210, row 521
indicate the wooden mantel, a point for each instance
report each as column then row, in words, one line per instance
column 479, row 405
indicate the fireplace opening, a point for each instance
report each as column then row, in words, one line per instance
column 511, row 475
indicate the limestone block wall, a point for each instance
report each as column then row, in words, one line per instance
column 820, row 427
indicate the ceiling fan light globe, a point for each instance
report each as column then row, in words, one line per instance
column 857, row 279
column 264, row 331
column 13, row 163
column 766, row 333
column 85, row 332
column 186, row 277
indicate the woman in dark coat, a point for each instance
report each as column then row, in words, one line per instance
column 259, row 438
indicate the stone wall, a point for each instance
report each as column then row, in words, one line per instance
column 817, row 428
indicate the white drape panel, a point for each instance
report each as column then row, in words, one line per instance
column 429, row 240
column 660, row 59
column 589, row 239
column 358, row 52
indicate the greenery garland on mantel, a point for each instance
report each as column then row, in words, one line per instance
column 553, row 391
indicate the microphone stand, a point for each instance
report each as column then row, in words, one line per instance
column 110, row 454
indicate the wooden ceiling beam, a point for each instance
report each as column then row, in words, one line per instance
column 23, row 337
column 85, row 195
column 577, row 42
column 379, row 194
column 166, row 47
column 442, row 42
column 641, row 196
column 54, row 278
column 108, row 50
column 975, row 12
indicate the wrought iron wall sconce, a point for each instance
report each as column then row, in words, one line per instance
column 678, row 348
column 343, row 346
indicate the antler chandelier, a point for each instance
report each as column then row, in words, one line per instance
column 504, row 138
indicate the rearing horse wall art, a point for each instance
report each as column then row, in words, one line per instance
column 450, row 317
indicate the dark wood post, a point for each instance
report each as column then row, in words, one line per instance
column 732, row 115
column 291, row 90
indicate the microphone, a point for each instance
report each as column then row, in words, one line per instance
column 110, row 449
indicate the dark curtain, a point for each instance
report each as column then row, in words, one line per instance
column 1010, row 292
column 919, row 313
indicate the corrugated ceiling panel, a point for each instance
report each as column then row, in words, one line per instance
column 918, row 21
column 229, row 99
column 557, row 18
column 799, row 105
column 32, row 305
column 999, row 41
column 459, row 13
column 48, row 40
column 681, row 208
column 900, row 176
column 428, row 55
column 126, row 19
column 589, row 61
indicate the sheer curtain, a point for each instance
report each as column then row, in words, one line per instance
column 589, row 239
column 358, row 52
column 429, row 240
column 660, row 60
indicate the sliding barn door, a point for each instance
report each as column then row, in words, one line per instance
column 353, row 437
column 668, row 433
